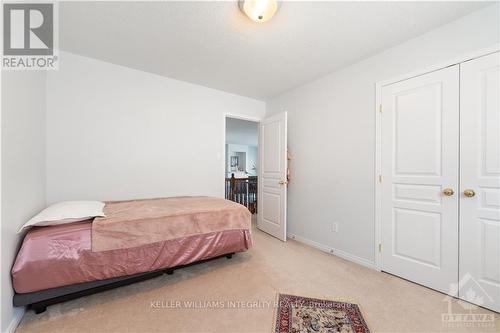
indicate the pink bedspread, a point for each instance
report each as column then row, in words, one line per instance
column 61, row 255
column 140, row 222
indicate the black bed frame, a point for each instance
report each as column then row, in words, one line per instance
column 39, row 300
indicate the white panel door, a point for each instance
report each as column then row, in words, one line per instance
column 480, row 182
column 419, row 221
column 273, row 176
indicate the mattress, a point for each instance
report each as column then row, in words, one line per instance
column 134, row 223
column 62, row 255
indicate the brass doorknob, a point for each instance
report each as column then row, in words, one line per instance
column 448, row 192
column 469, row 193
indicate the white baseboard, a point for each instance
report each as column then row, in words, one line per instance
column 16, row 320
column 336, row 252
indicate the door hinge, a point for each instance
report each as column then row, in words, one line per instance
column 380, row 108
column 380, row 247
column 380, row 178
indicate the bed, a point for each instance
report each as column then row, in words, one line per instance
column 58, row 263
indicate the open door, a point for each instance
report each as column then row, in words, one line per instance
column 273, row 175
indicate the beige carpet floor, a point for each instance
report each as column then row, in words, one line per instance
column 165, row 304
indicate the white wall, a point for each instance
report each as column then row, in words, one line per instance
column 332, row 134
column 242, row 132
column 23, row 169
column 236, row 150
column 117, row 133
column 252, row 160
column 242, row 136
column 248, row 158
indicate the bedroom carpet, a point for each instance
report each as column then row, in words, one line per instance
column 238, row 295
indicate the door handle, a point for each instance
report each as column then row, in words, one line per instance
column 448, row 192
column 283, row 182
column 469, row 193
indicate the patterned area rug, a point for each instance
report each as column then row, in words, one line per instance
column 298, row 314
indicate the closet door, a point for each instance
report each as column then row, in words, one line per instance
column 480, row 182
column 419, row 221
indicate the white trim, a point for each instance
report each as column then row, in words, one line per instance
column 378, row 132
column 234, row 116
column 454, row 61
column 378, row 171
column 339, row 253
column 16, row 320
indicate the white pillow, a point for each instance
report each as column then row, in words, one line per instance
column 66, row 212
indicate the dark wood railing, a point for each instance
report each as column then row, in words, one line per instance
column 243, row 191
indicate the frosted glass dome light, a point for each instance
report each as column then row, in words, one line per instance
column 259, row 10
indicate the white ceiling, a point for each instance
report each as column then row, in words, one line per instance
column 241, row 132
column 213, row 44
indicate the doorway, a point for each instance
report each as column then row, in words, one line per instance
column 242, row 162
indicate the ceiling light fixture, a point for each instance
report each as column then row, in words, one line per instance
column 259, row 10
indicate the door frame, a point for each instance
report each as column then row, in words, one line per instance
column 378, row 133
column 240, row 117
